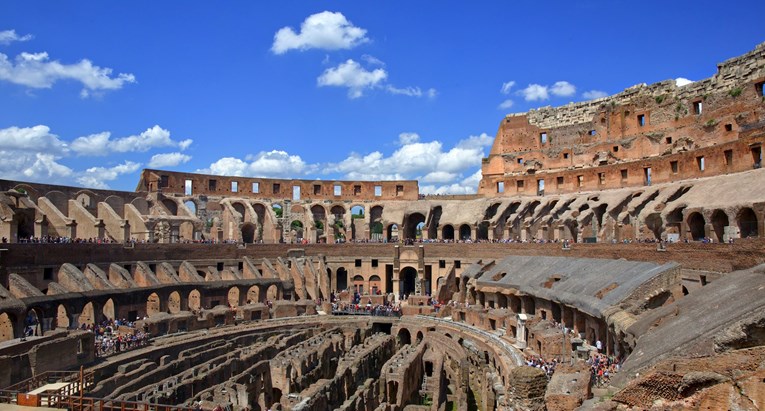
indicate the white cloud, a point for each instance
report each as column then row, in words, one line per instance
column 476, row 142
column 593, row 94
column 438, row 177
column 372, row 60
column 274, row 163
column 168, row 160
column 101, row 144
column 35, row 70
column 468, row 185
column 680, row 81
column 432, row 93
column 507, row 104
column 535, row 92
column 408, row 138
column 34, row 139
column 563, row 89
column 350, row 74
column 506, row 87
column 96, row 177
column 325, row 30
column 9, row 36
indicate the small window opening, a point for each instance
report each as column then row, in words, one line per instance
column 601, row 178
column 234, row 186
column 255, row 188
column 277, row 188
column 164, row 181
column 520, row 160
column 378, row 191
column 580, row 181
column 700, row 163
column 374, row 263
column 187, row 188
column 356, row 190
column 728, row 157
column 441, row 263
column 697, row 107
column 616, row 149
column 295, row 193
column 729, row 127
column 760, row 88
column 565, row 155
column 559, row 181
column 212, row 185
column 337, row 189
column 500, row 187
column 399, row 190
column 757, row 156
column 668, row 140
column 592, row 132
column 219, row 267
column 317, row 189
column 48, row 273
column 519, row 185
column 358, row 262
column 540, row 187
column 624, row 174
column 457, row 264
column 641, row 120
column 673, row 166
column 543, row 138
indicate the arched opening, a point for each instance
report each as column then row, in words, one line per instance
column 684, row 290
column 375, row 285
column 529, row 306
column 393, row 232
column 277, row 210
column 233, row 297
column 719, row 222
column 174, row 303
column 248, row 233
column 482, row 233
column 696, row 225
column 110, row 310
column 296, row 227
column 319, row 222
column 88, row 315
column 342, row 279
column 253, row 295
column 152, row 304
column 33, row 323
column 358, row 284
column 403, row 337
column 62, row 317
column 465, row 232
column 357, row 212
column 515, row 304
column 376, row 231
column 447, row 233
column 655, row 224
column 407, row 279
column 338, row 225
column 25, row 228
column 419, row 336
column 191, row 206
column 195, row 300
column 413, row 226
column 239, row 208
column 272, row 293
column 6, row 326
column 747, row 223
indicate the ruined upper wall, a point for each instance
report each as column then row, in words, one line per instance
column 643, row 123
column 169, row 182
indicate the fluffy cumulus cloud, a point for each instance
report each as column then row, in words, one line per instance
column 325, row 30
column 35, row 154
column 36, row 70
column 467, row 185
column 102, row 144
column 593, row 94
column 563, row 89
column 428, row 162
column 539, row 92
column 168, row 160
column 350, row 74
column 535, row 92
column 274, row 163
column 9, row 36
column 96, row 177
column 506, row 105
column 681, row 81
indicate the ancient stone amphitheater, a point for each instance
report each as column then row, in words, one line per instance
column 617, row 241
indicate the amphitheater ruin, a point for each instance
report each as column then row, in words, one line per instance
column 612, row 258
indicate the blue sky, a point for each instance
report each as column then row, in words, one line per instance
column 92, row 92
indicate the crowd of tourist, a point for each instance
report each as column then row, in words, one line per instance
column 602, row 368
column 547, row 366
column 50, row 239
column 111, row 339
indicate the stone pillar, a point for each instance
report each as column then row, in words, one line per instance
column 709, row 231
column 490, row 235
column 520, row 334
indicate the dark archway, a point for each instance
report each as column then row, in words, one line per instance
column 393, row 232
column 248, row 233
column 171, row 206
column 413, row 226
column 696, row 226
column 407, row 278
column 719, row 222
column 747, row 223
column 465, row 233
column 342, row 279
column 404, row 337
column 26, row 224
column 447, row 233
column 482, row 233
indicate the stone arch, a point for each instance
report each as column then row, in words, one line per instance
column 392, row 232
column 170, row 205
column 239, row 208
column 195, row 300
column 277, row 209
column 248, row 233
column 272, row 293
column 88, row 314
column 447, row 232
column 59, row 200
column 338, row 211
column 174, row 302
column 141, row 205
column 358, row 284
column 85, row 199
column 233, row 296
column 260, row 212
column 655, row 224
column 297, row 227
column 7, row 326
column 403, row 337
column 153, row 304
column 375, row 213
column 696, row 225
column 747, row 223
column 117, row 204
column 514, row 303
column 413, row 225
column 62, row 316
column 719, row 222
column 419, row 337
column 408, row 279
column 529, row 305
column 34, row 316
column 253, row 295
column 465, row 232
